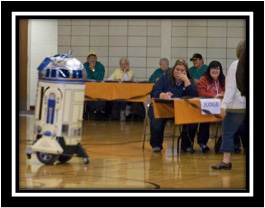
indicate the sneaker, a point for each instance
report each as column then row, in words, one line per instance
column 222, row 165
column 188, row 149
column 127, row 110
column 156, row 149
column 122, row 116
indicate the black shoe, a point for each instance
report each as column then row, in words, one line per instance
column 223, row 166
column 205, row 149
column 129, row 117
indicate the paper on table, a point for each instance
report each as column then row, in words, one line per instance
column 210, row 105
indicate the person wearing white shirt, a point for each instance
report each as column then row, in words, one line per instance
column 233, row 109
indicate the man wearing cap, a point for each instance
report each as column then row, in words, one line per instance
column 199, row 67
column 95, row 70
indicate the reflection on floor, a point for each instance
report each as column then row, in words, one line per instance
column 117, row 161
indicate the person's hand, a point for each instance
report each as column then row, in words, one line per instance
column 166, row 95
column 222, row 113
column 126, row 68
column 220, row 95
column 184, row 78
column 92, row 66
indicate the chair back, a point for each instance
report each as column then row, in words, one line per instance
column 147, row 103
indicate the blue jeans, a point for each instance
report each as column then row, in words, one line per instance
column 157, row 127
column 231, row 124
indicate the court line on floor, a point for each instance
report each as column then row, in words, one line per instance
column 156, row 186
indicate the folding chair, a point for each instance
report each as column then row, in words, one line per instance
column 147, row 103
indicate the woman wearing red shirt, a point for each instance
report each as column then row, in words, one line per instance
column 212, row 85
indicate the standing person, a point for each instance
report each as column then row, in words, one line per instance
column 199, row 67
column 95, row 71
column 241, row 73
column 164, row 68
column 211, row 84
column 175, row 84
column 233, row 109
column 120, row 109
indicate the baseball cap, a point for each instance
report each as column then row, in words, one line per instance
column 195, row 56
column 91, row 53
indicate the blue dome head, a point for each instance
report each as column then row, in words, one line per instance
column 62, row 67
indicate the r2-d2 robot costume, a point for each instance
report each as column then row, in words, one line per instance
column 59, row 110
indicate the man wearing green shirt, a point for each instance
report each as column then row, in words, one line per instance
column 95, row 70
column 164, row 68
column 199, row 67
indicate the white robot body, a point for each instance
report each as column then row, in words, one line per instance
column 59, row 109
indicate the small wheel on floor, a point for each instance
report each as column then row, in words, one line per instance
column 47, row 158
column 29, row 156
column 86, row 160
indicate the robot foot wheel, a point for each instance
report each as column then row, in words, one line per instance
column 86, row 160
column 29, row 156
column 81, row 152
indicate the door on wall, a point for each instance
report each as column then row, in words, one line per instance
column 23, row 54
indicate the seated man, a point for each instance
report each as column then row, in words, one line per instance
column 175, row 84
column 164, row 68
column 198, row 68
column 95, row 71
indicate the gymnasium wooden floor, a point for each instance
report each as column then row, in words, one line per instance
column 117, row 161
